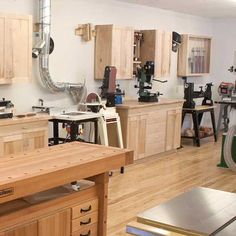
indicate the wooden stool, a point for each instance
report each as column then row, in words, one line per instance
column 110, row 118
column 197, row 114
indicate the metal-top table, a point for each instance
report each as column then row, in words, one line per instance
column 201, row 211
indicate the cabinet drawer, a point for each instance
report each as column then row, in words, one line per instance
column 88, row 231
column 85, row 221
column 84, row 208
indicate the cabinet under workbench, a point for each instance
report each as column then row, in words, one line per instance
column 151, row 128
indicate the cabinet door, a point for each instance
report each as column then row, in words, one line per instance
column 11, row 144
column 3, row 79
column 132, row 135
column 156, row 132
column 173, row 129
column 18, row 47
column 163, row 53
column 34, row 139
column 58, row 224
column 26, row 230
column 142, row 126
column 122, row 51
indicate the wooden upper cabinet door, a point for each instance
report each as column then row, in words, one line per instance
column 122, row 51
column 18, row 47
column 3, row 78
column 114, row 47
column 58, row 224
column 25, row 230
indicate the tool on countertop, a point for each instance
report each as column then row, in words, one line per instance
column 190, row 94
column 6, row 109
column 109, row 89
column 145, row 75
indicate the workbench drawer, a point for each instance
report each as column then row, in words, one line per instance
column 88, row 231
column 84, row 222
column 84, row 208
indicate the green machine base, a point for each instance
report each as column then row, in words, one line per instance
column 222, row 162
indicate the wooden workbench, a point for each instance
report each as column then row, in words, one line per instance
column 152, row 127
column 23, row 134
column 36, row 200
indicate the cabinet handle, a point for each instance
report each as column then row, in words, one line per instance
column 85, row 222
column 86, row 210
column 88, row 234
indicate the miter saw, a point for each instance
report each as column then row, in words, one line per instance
column 145, row 76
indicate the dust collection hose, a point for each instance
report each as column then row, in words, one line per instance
column 228, row 148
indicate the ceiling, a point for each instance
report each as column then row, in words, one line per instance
column 204, row 8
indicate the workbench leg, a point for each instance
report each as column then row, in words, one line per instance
column 55, row 133
column 196, row 128
column 73, row 131
column 96, row 131
column 213, row 124
column 102, row 183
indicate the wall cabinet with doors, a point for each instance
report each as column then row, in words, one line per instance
column 23, row 134
column 114, row 47
column 119, row 47
column 155, row 46
column 15, row 48
column 151, row 128
column 194, row 56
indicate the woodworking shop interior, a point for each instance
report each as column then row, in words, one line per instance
column 117, row 117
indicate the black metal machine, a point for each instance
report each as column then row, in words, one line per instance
column 109, row 88
column 190, row 95
column 145, row 76
column 6, row 109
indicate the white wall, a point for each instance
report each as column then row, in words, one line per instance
column 73, row 60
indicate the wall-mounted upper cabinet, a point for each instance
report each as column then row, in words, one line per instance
column 15, row 48
column 114, row 47
column 194, row 56
column 156, row 46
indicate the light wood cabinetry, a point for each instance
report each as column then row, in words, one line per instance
column 30, row 229
column 57, row 224
column 15, row 48
column 156, row 46
column 114, row 47
column 35, row 187
column 24, row 136
column 194, row 56
column 151, row 128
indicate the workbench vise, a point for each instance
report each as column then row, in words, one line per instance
column 190, row 95
column 145, row 76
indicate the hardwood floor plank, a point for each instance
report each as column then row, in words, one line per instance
column 157, row 179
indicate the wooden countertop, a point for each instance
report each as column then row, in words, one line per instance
column 45, row 168
column 131, row 104
column 15, row 120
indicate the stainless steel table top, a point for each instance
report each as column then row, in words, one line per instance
column 202, row 211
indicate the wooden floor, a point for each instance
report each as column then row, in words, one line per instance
column 157, row 179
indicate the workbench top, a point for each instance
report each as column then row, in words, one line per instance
column 15, row 120
column 45, row 168
column 132, row 104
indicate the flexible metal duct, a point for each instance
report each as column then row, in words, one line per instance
column 75, row 89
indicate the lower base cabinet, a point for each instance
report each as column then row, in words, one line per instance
column 77, row 219
column 25, row 230
column 151, row 128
